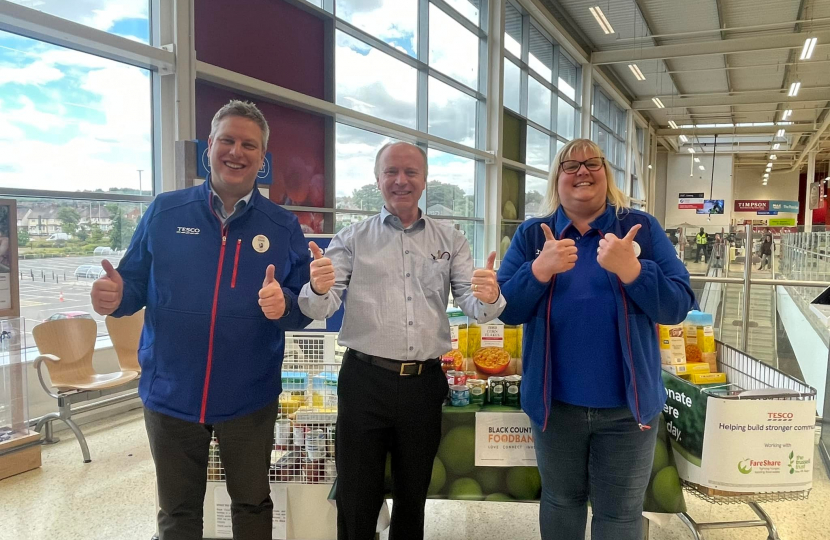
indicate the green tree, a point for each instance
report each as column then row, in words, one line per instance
column 96, row 235
column 23, row 237
column 83, row 233
column 69, row 218
column 367, row 197
column 534, row 197
column 451, row 196
column 117, row 226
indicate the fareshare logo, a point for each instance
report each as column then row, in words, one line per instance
column 745, row 466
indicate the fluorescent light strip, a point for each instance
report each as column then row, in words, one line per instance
column 773, row 157
column 809, row 45
column 769, row 169
column 684, row 139
column 657, row 102
column 601, row 20
column 776, row 146
column 637, row 73
column 691, row 150
column 794, row 88
column 769, row 164
column 672, row 124
column 786, row 114
column 701, row 167
column 779, row 134
column 697, row 160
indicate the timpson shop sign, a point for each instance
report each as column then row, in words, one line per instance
column 751, row 206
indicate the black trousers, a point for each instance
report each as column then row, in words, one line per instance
column 180, row 452
column 701, row 250
column 380, row 411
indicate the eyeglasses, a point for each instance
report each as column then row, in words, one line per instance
column 593, row 164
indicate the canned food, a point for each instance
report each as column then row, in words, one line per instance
column 447, row 364
column 478, row 390
column 496, row 390
column 299, row 435
column 471, row 375
column 459, row 377
column 282, row 434
column 459, row 396
column 512, row 390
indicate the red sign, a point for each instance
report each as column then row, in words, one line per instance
column 751, row 206
column 690, row 206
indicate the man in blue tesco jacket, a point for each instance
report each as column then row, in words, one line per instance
column 219, row 268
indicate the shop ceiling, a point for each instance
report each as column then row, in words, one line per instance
column 743, row 70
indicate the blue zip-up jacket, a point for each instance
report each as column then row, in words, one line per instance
column 661, row 294
column 207, row 352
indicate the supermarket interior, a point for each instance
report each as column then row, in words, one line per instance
column 711, row 118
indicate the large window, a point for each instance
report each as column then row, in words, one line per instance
column 79, row 126
column 435, row 87
column 608, row 130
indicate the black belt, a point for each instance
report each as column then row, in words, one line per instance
column 404, row 369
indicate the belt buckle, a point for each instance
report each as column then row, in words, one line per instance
column 403, row 366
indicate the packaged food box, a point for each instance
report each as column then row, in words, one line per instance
column 675, row 369
column 699, row 335
column 672, row 346
column 707, row 378
column 491, row 349
column 696, row 367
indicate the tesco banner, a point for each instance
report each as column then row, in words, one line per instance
column 751, row 206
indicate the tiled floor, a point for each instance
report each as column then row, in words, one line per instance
column 112, row 498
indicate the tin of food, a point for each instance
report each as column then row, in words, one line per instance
column 496, row 391
column 478, row 391
column 459, row 396
column 512, row 390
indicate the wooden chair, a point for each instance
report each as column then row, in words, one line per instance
column 125, row 333
column 66, row 348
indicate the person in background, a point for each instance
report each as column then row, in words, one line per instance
column 590, row 280
column 701, row 240
column 766, row 252
column 399, row 267
column 219, row 268
column 718, row 249
column 682, row 245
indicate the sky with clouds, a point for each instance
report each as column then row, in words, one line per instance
column 70, row 121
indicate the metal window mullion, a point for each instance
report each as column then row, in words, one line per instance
column 449, row 81
column 538, row 127
column 372, row 41
column 422, row 98
column 459, row 18
column 547, row 84
column 524, row 85
column 74, row 195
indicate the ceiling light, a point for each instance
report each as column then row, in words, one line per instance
column 691, row 150
column 794, row 88
column 697, row 160
column 684, row 139
column 769, row 169
column 658, row 103
column 773, row 157
column 776, row 146
column 787, row 114
column 672, row 124
column 600, row 17
column 637, row 73
column 701, row 167
column 769, row 164
column 809, row 45
column 780, row 134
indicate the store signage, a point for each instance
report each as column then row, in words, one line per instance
column 751, row 206
column 264, row 176
column 784, row 206
column 782, row 222
column 768, row 213
column 815, row 195
column 504, row 440
column 690, row 201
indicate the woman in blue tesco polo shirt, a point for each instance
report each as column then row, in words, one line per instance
column 589, row 281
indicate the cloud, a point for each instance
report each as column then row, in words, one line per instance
column 36, row 73
column 99, row 14
column 27, row 114
column 453, row 50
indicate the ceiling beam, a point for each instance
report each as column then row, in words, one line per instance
column 806, row 95
column 703, row 48
column 742, row 130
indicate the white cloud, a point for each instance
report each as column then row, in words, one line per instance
column 36, row 73
column 453, row 50
column 99, row 14
column 29, row 115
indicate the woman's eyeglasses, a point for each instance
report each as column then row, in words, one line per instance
column 571, row 166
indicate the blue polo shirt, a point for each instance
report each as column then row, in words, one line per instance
column 586, row 355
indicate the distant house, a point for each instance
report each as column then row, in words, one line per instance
column 96, row 214
column 41, row 220
column 439, row 210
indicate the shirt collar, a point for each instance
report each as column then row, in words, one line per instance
column 219, row 206
column 388, row 217
column 604, row 222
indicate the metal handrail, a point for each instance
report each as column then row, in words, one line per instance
column 761, row 281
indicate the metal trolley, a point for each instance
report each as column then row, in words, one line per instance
column 749, row 374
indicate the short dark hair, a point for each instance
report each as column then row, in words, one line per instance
column 243, row 109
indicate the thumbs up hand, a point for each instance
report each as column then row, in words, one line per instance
column 484, row 284
column 617, row 255
column 322, row 271
column 271, row 299
column 557, row 256
column 107, row 291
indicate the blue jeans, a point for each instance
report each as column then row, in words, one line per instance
column 598, row 455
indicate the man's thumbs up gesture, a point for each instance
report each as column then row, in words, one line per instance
column 617, row 255
column 107, row 291
column 557, row 256
column 484, row 284
column 322, row 271
column 271, row 299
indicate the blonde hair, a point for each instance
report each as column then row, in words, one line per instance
column 551, row 202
